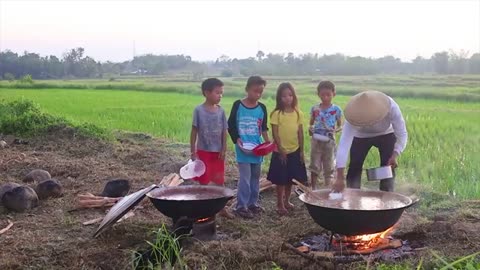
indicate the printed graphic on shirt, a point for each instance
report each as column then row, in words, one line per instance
column 325, row 120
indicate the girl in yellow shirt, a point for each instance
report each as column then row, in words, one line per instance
column 288, row 161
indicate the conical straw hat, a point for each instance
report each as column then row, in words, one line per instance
column 367, row 108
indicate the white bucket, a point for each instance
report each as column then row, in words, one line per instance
column 192, row 169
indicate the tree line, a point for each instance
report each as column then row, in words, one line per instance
column 75, row 64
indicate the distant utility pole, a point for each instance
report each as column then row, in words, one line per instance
column 134, row 52
column 1, row 27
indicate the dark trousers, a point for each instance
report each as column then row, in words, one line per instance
column 358, row 153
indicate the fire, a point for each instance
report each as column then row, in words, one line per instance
column 369, row 237
column 202, row 220
column 365, row 241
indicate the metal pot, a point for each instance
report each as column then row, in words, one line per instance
column 183, row 201
column 380, row 173
column 356, row 214
column 321, row 138
column 190, row 201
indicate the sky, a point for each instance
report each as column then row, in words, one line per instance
column 205, row 30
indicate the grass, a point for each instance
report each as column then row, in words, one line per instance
column 23, row 117
column 163, row 253
column 464, row 88
column 469, row 262
column 442, row 151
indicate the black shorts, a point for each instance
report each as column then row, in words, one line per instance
column 282, row 174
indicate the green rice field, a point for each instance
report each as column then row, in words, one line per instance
column 442, row 115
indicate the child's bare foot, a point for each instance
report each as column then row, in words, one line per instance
column 289, row 205
column 282, row 211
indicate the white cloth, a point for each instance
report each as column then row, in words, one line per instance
column 393, row 122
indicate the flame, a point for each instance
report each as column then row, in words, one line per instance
column 370, row 237
column 202, row 220
column 364, row 241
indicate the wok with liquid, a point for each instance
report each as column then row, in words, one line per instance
column 358, row 212
column 194, row 202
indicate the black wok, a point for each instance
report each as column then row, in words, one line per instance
column 359, row 212
column 194, row 202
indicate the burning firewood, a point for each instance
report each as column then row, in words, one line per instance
column 390, row 244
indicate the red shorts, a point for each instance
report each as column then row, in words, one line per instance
column 214, row 168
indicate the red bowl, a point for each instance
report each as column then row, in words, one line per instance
column 264, row 149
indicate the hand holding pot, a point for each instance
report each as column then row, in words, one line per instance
column 393, row 160
column 339, row 184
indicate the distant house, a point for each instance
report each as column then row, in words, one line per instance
column 139, row 71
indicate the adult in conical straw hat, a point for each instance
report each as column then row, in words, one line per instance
column 372, row 119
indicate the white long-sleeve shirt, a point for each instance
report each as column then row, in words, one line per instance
column 393, row 122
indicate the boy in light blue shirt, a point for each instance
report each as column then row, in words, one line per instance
column 247, row 123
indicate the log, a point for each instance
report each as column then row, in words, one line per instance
column 92, row 221
column 392, row 244
column 88, row 200
column 310, row 256
column 98, row 220
column 303, row 249
column 127, row 215
column 167, row 180
column 176, row 181
column 91, row 201
column 10, row 224
column 323, row 254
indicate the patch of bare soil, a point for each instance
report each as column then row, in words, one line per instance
column 51, row 237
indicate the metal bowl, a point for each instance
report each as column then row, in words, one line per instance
column 321, row 138
column 380, row 173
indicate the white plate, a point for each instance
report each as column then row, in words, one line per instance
column 249, row 146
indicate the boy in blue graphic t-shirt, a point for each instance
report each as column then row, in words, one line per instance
column 247, row 123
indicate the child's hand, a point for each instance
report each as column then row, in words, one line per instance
column 302, row 157
column 283, row 157
column 222, row 155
